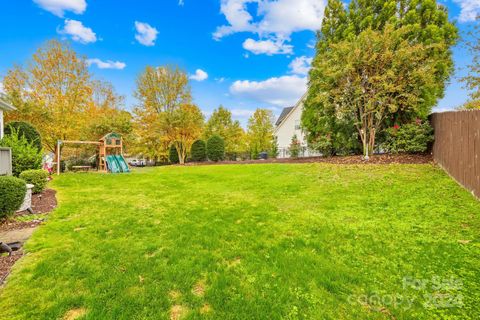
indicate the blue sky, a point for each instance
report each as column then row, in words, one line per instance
column 243, row 54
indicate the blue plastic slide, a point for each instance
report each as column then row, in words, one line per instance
column 112, row 164
column 122, row 163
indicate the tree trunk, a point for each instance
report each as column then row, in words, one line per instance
column 181, row 152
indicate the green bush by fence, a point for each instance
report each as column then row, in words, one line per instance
column 408, row 138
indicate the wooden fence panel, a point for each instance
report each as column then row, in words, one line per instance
column 457, row 146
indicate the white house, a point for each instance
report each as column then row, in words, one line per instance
column 5, row 153
column 288, row 125
column 4, row 106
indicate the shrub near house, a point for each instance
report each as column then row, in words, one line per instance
column 25, row 156
column 12, row 193
column 26, row 130
column 36, row 177
column 294, row 147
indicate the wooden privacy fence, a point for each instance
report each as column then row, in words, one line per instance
column 457, row 146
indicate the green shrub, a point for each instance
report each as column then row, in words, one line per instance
column 408, row 138
column 12, row 193
column 199, row 151
column 36, row 177
column 25, row 156
column 27, row 130
column 294, row 147
column 273, row 153
column 173, row 155
column 215, row 148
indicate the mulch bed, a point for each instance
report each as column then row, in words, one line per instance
column 6, row 263
column 42, row 203
column 376, row 159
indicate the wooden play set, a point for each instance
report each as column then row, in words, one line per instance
column 110, row 154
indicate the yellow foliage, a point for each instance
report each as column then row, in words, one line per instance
column 56, row 94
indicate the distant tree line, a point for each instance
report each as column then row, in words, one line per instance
column 56, row 93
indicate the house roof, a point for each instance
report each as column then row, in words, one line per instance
column 4, row 105
column 283, row 115
column 287, row 111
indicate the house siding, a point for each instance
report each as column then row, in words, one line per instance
column 1, row 123
column 289, row 127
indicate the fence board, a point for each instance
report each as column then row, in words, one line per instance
column 457, row 146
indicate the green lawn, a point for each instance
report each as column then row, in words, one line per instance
column 273, row 241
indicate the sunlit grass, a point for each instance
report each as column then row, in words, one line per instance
column 312, row 241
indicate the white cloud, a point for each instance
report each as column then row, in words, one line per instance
column 268, row 47
column 199, row 75
column 281, row 91
column 470, row 9
column 274, row 20
column 242, row 113
column 109, row 64
column 220, row 80
column 181, row 3
column 2, row 88
column 58, row 7
column 300, row 65
column 146, row 34
column 283, row 17
column 238, row 18
column 78, row 32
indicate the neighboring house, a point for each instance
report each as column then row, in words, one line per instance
column 288, row 125
column 5, row 153
column 4, row 106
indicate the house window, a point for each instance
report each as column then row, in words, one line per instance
column 297, row 124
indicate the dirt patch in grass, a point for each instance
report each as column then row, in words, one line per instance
column 199, row 288
column 75, row 314
column 178, row 312
column 375, row 159
column 175, row 295
column 206, row 308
